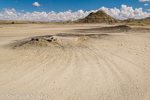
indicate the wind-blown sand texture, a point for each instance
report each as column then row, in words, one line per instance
column 86, row 62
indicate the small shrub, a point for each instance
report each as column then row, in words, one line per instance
column 13, row 22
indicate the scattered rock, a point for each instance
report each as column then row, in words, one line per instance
column 49, row 40
column 37, row 39
column 32, row 39
column 55, row 39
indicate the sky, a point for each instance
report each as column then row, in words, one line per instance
column 62, row 10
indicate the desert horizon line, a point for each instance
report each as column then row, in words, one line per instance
column 123, row 13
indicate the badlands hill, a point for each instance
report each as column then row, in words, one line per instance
column 98, row 17
column 138, row 22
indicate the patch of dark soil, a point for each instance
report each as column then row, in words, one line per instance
column 114, row 29
column 78, row 35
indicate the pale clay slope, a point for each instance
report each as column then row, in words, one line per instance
column 115, row 67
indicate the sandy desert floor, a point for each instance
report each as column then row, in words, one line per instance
column 86, row 62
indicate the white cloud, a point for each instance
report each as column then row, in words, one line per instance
column 148, row 9
column 123, row 13
column 36, row 4
column 22, row 10
column 9, row 10
column 143, row 0
column 126, row 12
column 146, row 4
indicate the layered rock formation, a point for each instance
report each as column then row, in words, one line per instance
column 98, row 17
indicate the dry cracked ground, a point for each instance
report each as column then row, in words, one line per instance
column 74, row 62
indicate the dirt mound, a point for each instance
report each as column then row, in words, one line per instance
column 98, row 17
column 62, row 40
column 40, row 41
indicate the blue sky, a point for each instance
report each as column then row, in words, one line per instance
column 64, row 5
column 27, row 9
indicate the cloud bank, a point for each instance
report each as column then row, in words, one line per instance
column 123, row 13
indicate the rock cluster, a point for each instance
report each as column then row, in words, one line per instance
column 49, row 39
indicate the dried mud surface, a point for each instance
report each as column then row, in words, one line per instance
column 85, row 62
